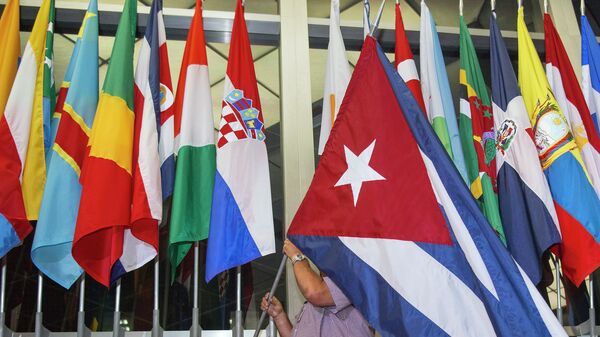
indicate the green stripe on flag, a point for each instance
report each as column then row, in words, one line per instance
column 475, row 121
column 441, row 130
column 192, row 200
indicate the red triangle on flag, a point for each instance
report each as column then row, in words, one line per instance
column 371, row 149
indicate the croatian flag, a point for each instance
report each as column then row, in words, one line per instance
column 241, row 226
column 569, row 96
column 391, row 221
column 590, row 67
column 526, row 206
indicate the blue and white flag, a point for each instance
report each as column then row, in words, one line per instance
column 526, row 205
column 436, row 92
column 390, row 220
column 590, row 67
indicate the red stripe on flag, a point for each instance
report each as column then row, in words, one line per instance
column 579, row 251
column 103, row 215
column 72, row 139
column 11, row 197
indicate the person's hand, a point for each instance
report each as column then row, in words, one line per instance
column 275, row 309
column 290, row 249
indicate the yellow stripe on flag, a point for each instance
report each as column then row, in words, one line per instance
column 463, row 80
column 112, row 134
column 9, row 53
column 77, row 119
column 34, row 171
column 66, row 157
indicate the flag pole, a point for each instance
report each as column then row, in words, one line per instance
column 377, row 19
column 582, row 7
column 196, row 329
column 239, row 330
column 460, row 7
column 3, row 329
column 559, row 313
column 592, row 309
column 156, row 312
column 493, row 5
column 271, row 293
column 38, row 313
column 81, row 313
column 545, row 6
column 117, row 313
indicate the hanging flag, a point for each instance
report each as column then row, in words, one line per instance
column 404, row 60
column 51, row 250
column 389, row 219
column 436, row 92
column 569, row 96
column 337, row 75
column 9, row 54
column 526, row 206
column 241, row 223
column 194, row 127
column 152, row 97
column 577, row 204
column 49, row 89
column 590, row 67
column 105, row 243
column 477, row 131
column 22, row 140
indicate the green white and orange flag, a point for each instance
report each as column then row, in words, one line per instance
column 9, row 53
column 476, row 129
column 103, row 232
column 195, row 146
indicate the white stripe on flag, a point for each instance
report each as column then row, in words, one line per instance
column 465, row 241
column 408, row 70
column 197, row 124
column 423, row 283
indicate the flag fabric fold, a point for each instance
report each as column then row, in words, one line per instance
column 477, row 132
column 528, row 214
column 436, row 91
column 51, row 250
column 406, row 208
column 577, row 204
column 22, row 159
column 11, row 49
column 194, row 128
column 570, row 99
column 405, row 62
column 103, row 240
column 241, row 226
column 337, row 75
column 590, row 68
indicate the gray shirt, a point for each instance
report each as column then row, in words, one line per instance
column 340, row 320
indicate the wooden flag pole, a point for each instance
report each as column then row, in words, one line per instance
column 263, row 315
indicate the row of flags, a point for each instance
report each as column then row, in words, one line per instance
column 520, row 171
column 93, row 167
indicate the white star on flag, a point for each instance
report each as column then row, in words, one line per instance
column 358, row 170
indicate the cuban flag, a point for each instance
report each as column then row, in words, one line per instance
column 590, row 67
column 390, row 220
column 241, row 224
column 526, row 206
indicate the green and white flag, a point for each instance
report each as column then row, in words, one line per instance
column 195, row 146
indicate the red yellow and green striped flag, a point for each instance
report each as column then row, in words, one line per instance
column 476, row 129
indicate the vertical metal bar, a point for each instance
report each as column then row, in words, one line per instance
column 559, row 313
column 271, row 329
column 592, row 309
column 156, row 312
column 38, row 312
column 582, row 7
column 239, row 329
column 117, row 314
column 196, row 330
column 545, row 6
column 81, row 313
column 3, row 297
